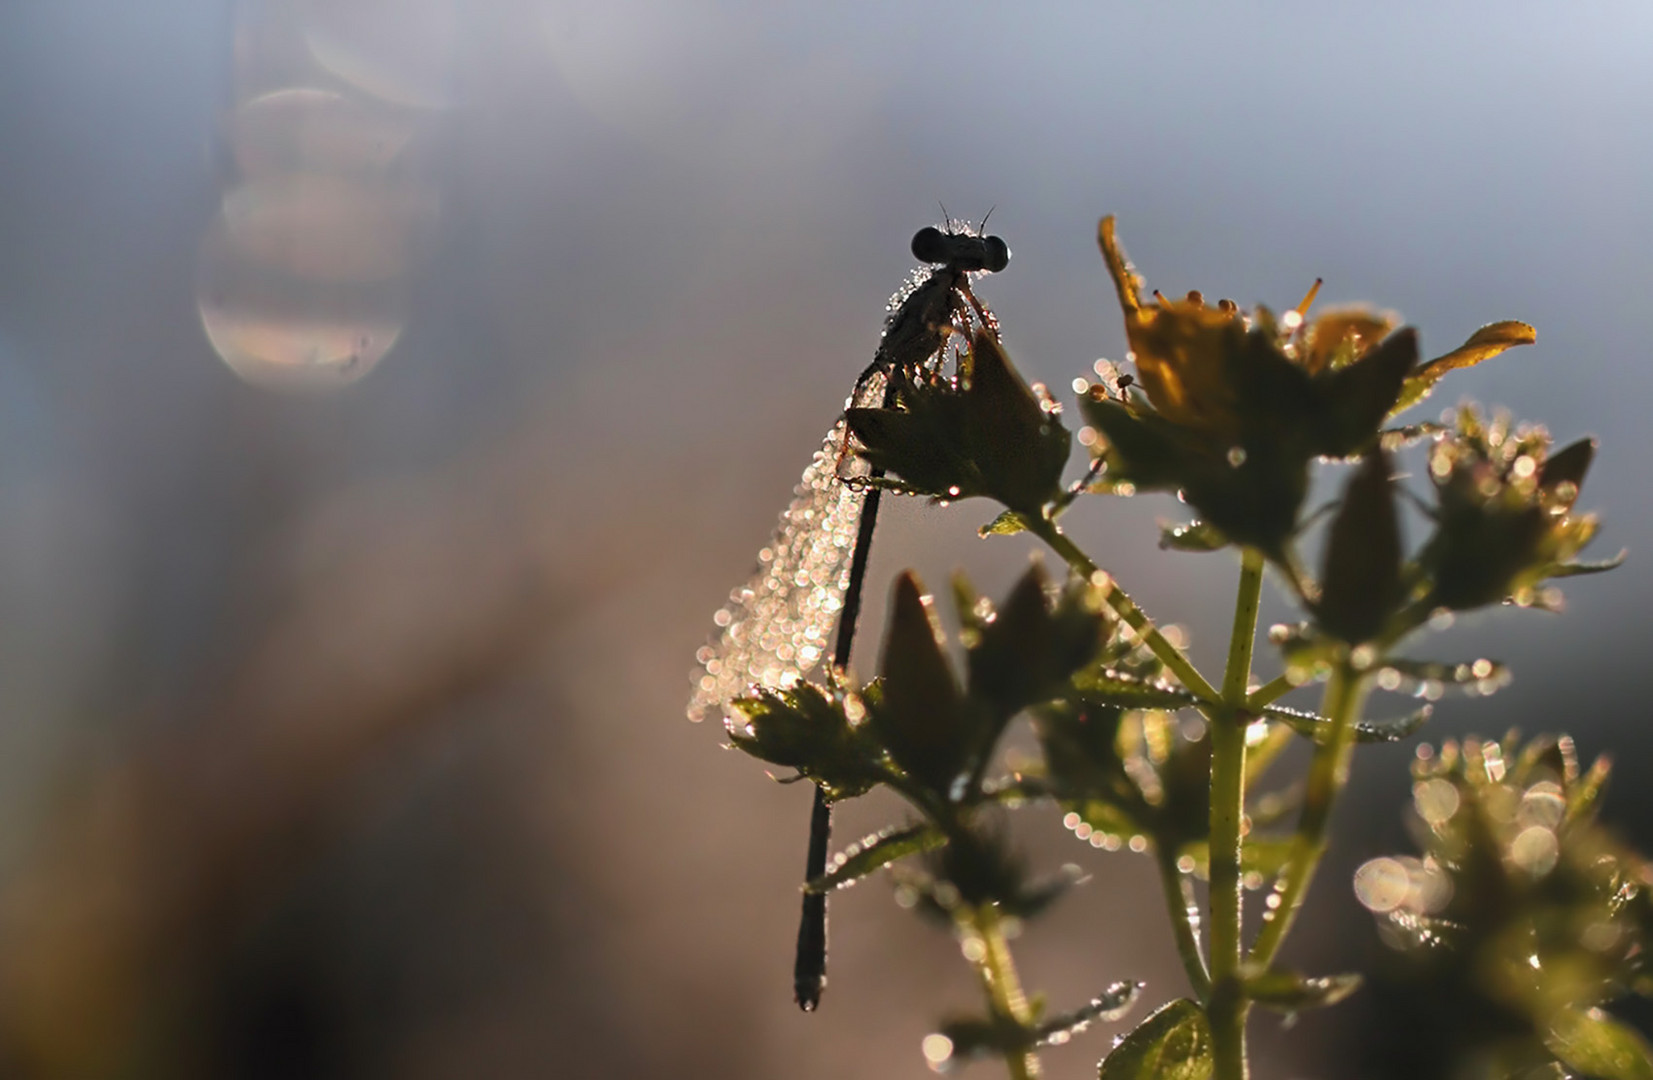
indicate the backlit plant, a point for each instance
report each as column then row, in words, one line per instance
column 1520, row 914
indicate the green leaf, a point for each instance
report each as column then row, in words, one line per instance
column 1582, row 569
column 922, row 717
column 1595, row 1044
column 982, row 432
column 1020, row 448
column 1361, row 583
column 807, row 728
column 1112, row 1004
column 875, row 852
column 1146, row 450
column 1107, row 686
column 1398, row 438
column 1355, row 399
column 1485, row 343
column 1027, row 653
column 1008, row 523
column 1289, row 992
column 1568, row 465
column 1366, row 731
column 1172, row 1044
column 1194, row 536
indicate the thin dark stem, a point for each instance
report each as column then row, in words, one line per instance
column 809, row 963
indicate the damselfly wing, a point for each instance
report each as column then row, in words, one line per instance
column 774, row 630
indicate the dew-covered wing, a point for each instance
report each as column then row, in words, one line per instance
column 777, row 627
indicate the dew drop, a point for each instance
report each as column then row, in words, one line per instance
column 1381, row 885
column 1436, row 800
column 938, row 1050
column 1535, row 850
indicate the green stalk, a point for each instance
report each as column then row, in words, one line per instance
column 997, row 970
column 1180, row 905
column 1137, row 619
column 1226, row 1006
column 1270, row 692
column 1328, row 774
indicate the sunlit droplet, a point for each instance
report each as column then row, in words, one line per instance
column 1542, row 804
column 1381, row 885
column 1436, row 800
column 1535, row 850
column 938, row 1050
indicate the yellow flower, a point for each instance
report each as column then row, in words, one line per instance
column 1182, row 348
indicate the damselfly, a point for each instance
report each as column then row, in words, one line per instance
column 773, row 632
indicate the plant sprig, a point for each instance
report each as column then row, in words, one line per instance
column 1234, row 411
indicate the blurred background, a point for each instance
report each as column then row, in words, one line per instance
column 390, row 391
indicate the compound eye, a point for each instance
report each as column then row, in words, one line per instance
column 930, row 245
column 998, row 254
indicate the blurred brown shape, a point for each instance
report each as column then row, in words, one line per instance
column 116, row 933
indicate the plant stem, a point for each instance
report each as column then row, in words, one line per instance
column 1180, row 905
column 1270, row 692
column 1328, row 773
column 1137, row 619
column 1237, row 673
column 1004, row 987
column 1226, row 1006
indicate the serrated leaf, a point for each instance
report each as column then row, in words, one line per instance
column 1174, row 1043
column 1595, row 1044
column 1289, row 992
column 1110, row 1005
column 1366, row 731
column 1485, row 343
column 1195, row 536
column 1117, row 688
column 875, row 852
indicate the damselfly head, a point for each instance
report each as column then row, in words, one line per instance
column 964, row 251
